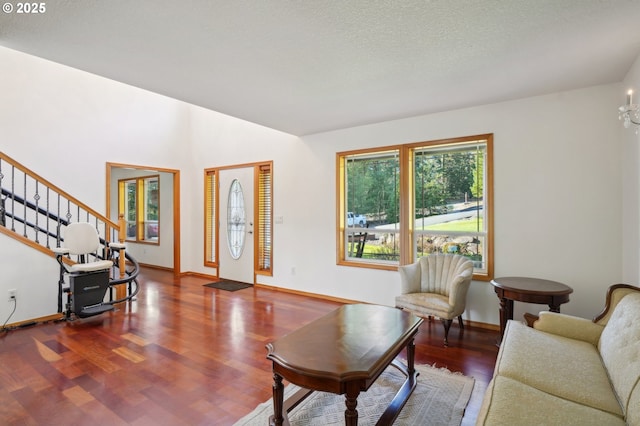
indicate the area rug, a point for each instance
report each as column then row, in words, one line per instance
column 440, row 398
column 228, row 285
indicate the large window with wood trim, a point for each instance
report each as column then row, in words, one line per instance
column 396, row 204
column 139, row 201
column 263, row 217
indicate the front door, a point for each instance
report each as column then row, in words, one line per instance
column 236, row 225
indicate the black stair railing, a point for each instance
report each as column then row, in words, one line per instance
column 36, row 212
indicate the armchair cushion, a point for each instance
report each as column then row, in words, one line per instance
column 427, row 304
column 436, row 285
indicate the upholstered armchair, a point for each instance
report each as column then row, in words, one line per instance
column 436, row 286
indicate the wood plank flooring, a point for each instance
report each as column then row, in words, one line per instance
column 182, row 354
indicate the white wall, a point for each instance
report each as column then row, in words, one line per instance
column 218, row 140
column 631, row 184
column 35, row 277
column 557, row 196
column 66, row 125
column 558, row 192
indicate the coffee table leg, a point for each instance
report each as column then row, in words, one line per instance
column 411, row 351
column 278, row 400
column 351, row 414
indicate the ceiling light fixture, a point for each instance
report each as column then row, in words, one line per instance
column 629, row 113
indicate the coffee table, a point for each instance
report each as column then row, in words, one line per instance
column 344, row 352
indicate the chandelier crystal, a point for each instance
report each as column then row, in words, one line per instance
column 630, row 113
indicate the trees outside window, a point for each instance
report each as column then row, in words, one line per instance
column 416, row 199
column 450, row 202
column 370, row 207
column 139, row 201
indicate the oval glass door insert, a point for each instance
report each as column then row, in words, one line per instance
column 236, row 219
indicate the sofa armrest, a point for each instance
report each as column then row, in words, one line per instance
column 615, row 293
column 569, row 326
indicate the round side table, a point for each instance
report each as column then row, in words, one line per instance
column 529, row 290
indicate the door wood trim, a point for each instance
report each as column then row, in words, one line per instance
column 176, row 203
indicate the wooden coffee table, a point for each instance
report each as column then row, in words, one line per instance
column 344, row 352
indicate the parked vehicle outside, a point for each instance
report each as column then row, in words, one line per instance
column 356, row 220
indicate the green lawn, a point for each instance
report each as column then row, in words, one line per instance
column 464, row 225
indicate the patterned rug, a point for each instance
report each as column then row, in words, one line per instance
column 440, row 398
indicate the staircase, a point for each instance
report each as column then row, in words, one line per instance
column 35, row 212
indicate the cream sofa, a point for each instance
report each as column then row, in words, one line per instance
column 568, row 370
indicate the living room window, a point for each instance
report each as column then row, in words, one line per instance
column 369, row 213
column 399, row 203
column 139, row 201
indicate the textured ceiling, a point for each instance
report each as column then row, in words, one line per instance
column 308, row 66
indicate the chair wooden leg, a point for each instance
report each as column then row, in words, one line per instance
column 447, row 325
column 460, row 322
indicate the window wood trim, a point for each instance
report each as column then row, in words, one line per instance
column 341, row 258
column 263, row 256
column 175, row 204
column 489, row 215
column 406, row 202
column 141, row 198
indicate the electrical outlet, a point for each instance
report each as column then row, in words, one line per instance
column 13, row 294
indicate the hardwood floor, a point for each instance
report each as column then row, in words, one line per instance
column 182, row 354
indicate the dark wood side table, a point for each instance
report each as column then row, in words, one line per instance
column 344, row 352
column 529, row 290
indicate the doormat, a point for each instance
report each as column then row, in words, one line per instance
column 228, row 285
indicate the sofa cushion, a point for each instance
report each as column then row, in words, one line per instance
column 510, row 402
column 560, row 366
column 620, row 350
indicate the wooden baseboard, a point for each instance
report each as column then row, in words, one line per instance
column 308, row 294
column 160, row 268
column 199, row 275
column 483, row 325
column 475, row 324
column 34, row 321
